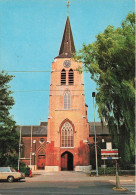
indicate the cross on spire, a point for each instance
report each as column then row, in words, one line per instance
column 68, row 4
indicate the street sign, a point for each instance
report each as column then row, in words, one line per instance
column 109, row 154
column 104, row 158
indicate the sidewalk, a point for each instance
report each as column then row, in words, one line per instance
column 71, row 176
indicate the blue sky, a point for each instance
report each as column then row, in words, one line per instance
column 30, row 36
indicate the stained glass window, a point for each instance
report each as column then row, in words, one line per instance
column 67, row 135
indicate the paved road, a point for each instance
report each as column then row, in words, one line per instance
column 59, row 188
column 67, row 183
column 130, row 187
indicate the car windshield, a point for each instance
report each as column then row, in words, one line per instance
column 12, row 169
column 4, row 169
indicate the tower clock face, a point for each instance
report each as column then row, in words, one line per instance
column 67, row 63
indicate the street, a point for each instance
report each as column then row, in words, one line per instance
column 130, row 187
column 65, row 183
column 99, row 188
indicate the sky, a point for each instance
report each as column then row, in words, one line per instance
column 30, row 37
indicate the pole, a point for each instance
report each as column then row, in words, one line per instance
column 104, row 166
column 31, row 153
column 34, row 153
column 34, row 161
column 93, row 95
column 19, row 148
column 117, row 177
column 116, row 166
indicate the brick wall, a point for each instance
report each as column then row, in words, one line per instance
column 36, row 147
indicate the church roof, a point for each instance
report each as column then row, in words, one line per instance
column 100, row 130
column 41, row 130
column 67, row 47
column 37, row 131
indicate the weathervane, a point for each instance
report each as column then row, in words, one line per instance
column 68, row 4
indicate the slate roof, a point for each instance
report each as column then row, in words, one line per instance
column 41, row 130
column 100, row 130
column 43, row 123
column 36, row 131
column 67, row 47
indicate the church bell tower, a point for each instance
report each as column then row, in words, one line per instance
column 68, row 130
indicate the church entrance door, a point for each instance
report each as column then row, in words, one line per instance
column 41, row 161
column 67, row 161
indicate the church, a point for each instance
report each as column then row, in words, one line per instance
column 63, row 142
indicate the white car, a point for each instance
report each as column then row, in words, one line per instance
column 10, row 174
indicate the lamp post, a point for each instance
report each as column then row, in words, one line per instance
column 34, row 142
column 19, row 147
column 93, row 95
column 31, row 153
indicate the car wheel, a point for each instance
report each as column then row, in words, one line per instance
column 10, row 179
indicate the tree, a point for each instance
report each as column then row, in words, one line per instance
column 111, row 62
column 8, row 134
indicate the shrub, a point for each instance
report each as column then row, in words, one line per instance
column 108, row 171
column 22, row 168
column 25, row 169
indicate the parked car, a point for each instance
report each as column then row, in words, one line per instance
column 10, row 174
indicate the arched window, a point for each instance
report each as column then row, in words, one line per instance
column 71, row 77
column 67, row 100
column 63, row 77
column 67, row 135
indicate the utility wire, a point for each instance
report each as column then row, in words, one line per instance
column 25, row 91
column 14, row 71
column 29, row 71
column 42, row 90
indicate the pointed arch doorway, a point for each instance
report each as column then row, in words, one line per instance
column 67, row 161
column 41, row 159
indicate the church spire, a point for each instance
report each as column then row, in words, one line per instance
column 67, row 47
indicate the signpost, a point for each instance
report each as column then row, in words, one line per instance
column 109, row 154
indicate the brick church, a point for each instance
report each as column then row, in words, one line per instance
column 62, row 143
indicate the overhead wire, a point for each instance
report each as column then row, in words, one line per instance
column 42, row 71
column 25, row 71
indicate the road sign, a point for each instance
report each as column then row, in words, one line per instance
column 104, row 158
column 109, row 154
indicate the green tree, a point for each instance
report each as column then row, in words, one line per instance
column 8, row 134
column 111, row 62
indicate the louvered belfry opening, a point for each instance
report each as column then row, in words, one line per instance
column 63, row 77
column 71, row 77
